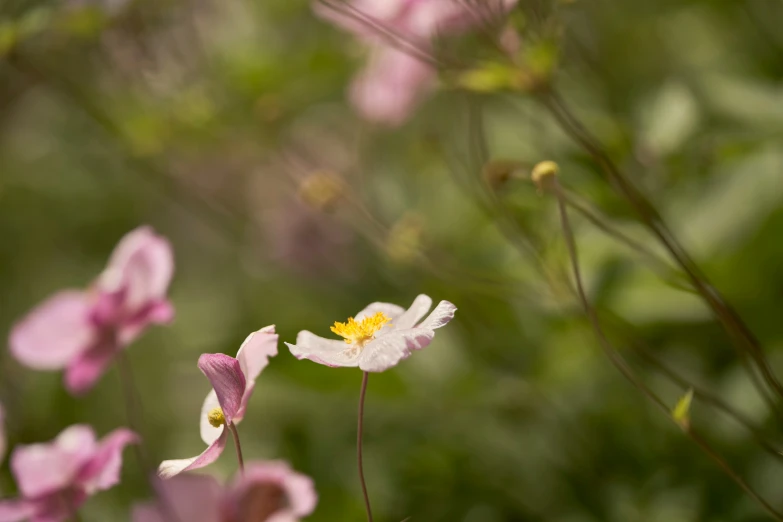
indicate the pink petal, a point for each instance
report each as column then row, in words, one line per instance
column 193, row 498
column 209, row 433
column 385, row 352
column 141, row 265
column 56, row 507
column 3, row 441
column 323, row 351
column 392, row 311
column 55, row 332
column 158, row 312
column 227, row 380
column 103, row 470
column 83, row 372
column 41, row 469
column 413, row 315
column 440, row 316
column 170, row 468
column 300, row 496
column 391, row 86
column 253, row 356
column 15, row 510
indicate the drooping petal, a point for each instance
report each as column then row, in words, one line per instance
column 391, row 86
column 102, row 471
column 209, row 433
column 41, row 469
column 158, row 312
column 392, row 311
column 169, row 468
column 2, row 434
column 55, row 332
column 323, row 351
column 141, row 266
column 16, row 510
column 384, row 352
column 440, row 316
column 413, row 315
column 85, row 370
column 57, row 507
column 193, row 498
column 254, row 354
column 228, row 381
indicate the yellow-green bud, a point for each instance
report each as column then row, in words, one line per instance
column 544, row 174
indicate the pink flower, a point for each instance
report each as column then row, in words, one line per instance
column 233, row 380
column 55, row 479
column 266, row 492
column 395, row 81
column 378, row 338
column 82, row 331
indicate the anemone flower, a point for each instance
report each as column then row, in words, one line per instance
column 56, row 478
column 378, row 338
column 83, row 330
column 233, row 380
column 265, row 492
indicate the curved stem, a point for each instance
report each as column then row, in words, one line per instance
column 234, row 433
column 359, row 430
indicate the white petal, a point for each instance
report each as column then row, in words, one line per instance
column 440, row 316
column 209, row 433
column 391, row 311
column 421, row 305
column 385, row 352
column 323, row 351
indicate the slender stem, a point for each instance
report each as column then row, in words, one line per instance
column 620, row 363
column 359, row 430
column 234, row 433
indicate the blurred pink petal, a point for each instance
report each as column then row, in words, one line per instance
column 141, row 266
column 391, row 86
column 169, row 468
column 87, row 368
column 15, row 510
column 193, row 498
column 54, row 332
column 55, row 478
column 103, row 470
column 225, row 374
column 44, row 468
column 265, row 492
column 388, row 345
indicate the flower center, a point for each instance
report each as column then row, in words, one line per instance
column 216, row 417
column 360, row 332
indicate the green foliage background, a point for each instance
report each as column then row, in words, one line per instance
column 201, row 118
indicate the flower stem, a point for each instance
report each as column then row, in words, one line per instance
column 233, row 429
column 359, row 430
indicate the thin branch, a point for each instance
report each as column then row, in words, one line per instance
column 359, row 431
column 234, row 433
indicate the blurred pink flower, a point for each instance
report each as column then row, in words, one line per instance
column 233, row 380
column 378, row 338
column 395, row 81
column 55, row 479
column 265, row 492
column 82, row 331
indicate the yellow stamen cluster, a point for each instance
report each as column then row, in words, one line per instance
column 359, row 332
column 216, row 417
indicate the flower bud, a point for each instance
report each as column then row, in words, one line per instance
column 321, row 190
column 544, row 174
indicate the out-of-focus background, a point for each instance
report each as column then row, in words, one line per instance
column 225, row 125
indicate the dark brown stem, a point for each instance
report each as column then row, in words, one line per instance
column 740, row 333
column 359, row 430
column 619, row 362
column 234, row 433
